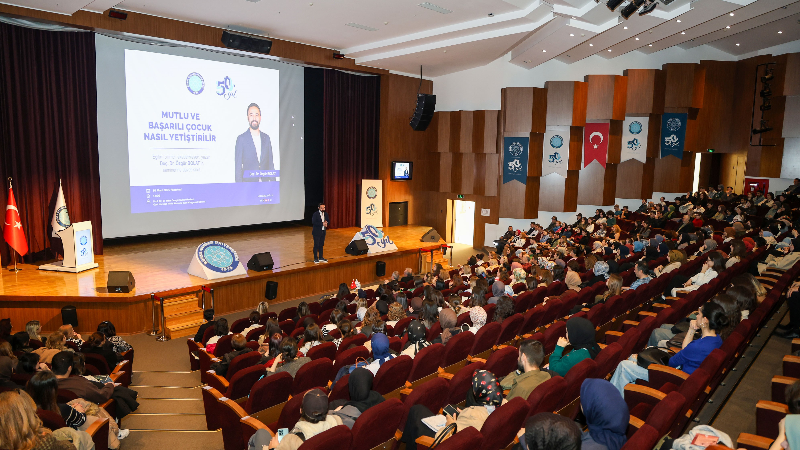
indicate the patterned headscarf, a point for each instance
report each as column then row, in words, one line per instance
column 396, row 312
column 486, row 389
column 478, row 317
column 361, row 313
column 601, row 268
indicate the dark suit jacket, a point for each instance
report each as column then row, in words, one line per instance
column 87, row 390
column 316, row 222
column 247, row 159
column 686, row 228
column 202, row 330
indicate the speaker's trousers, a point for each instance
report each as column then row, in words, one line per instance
column 319, row 243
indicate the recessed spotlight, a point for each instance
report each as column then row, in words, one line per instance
column 526, row 62
column 683, row 32
column 544, row 51
column 731, row 14
column 571, row 35
column 780, row 32
column 650, row 45
column 624, row 28
column 609, row 49
column 737, row 45
column 491, row 14
column 591, row 45
column 679, row 20
column 574, row 18
column 637, row 39
column 445, row 51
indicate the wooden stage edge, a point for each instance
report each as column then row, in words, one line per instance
column 160, row 268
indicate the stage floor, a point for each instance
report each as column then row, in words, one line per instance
column 160, row 265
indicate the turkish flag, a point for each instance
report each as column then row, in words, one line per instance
column 12, row 232
column 595, row 143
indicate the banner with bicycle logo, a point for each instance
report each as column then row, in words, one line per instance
column 515, row 159
column 372, row 203
column 673, row 134
column 555, row 154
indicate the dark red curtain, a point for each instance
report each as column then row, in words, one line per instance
column 48, row 130
column 351, row 128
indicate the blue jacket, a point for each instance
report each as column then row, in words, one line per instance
column 246, row 157
column 693, row 355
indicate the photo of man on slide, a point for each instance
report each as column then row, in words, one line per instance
column 253, row 149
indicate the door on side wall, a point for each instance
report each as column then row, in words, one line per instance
column 463, row 222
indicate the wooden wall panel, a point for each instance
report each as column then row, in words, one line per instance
column 606, row 97
column 791, row 79
column 575, row 148
column 461, row 130
column 566, row 103
column 591, row 184
column 557, row 193
column 532, row 198
column 484, row 131
column 631, row 179
column 539, row 113
column 486, row 173
column 645, row 91
column 716, row 116
column 463, row 173
column 684, row 85
column 667, row 175
column 615, row 142
column 518, row 109
column 444, row 173
column 535, row 150
column 441, row 123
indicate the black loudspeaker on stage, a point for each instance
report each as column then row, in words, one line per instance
column 357, row 247
column 380, row 269
column 69, row 315
column 423, row 114
column 271, row 292
column 431, row 236
column 246, row 42
column 260, row 262
column 120, row 281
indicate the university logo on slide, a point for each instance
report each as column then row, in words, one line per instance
column 195, row 83
column 217, row 256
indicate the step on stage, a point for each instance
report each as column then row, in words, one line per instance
column 159, row 267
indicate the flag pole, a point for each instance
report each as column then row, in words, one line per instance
column 13, row 250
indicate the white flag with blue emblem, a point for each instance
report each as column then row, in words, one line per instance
column 60, row 219
column 634, row 138
column 555, row 152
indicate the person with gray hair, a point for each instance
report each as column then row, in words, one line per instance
column 395, row 275
column 408, row 275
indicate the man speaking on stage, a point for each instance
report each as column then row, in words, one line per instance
column 253, row 148
column 319, row 223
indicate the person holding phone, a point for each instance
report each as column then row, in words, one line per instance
column 314, row 419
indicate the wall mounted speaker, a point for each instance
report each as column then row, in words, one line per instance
column 246, row 42
column 423, row 114
column 271, row 292
column 380, row 269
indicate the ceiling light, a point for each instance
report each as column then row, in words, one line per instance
column 544, row 51
column 737, row 45
column 728, row 27
column 591, row 45
column 613, row 4
column 731, row 14
column 526, row 62
column 780, row 32
column 609, row 49
column 637, row 39
column 679, row 20
column 571, row 35
column 683, row 32
column 650, row 45
column 624, row 28
column 437, row 8
column 769, row 76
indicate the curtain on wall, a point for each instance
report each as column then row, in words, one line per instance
column 48, row 130
column 350, row 149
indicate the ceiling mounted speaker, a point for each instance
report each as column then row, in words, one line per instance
column 247, row 43
column 648, row 8
column 613, row 4
column 631, row 8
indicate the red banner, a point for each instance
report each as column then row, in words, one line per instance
column 595, row 143
column 12, row 230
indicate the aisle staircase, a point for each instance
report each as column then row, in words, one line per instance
column 183, row 315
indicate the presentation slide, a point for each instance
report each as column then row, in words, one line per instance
column 402, row 170
column 196, row 138
column 201, row 134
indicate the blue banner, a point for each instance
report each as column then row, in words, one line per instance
column 515, row 159
column 673, row 134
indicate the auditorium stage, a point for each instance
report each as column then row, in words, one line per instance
column 159, row 267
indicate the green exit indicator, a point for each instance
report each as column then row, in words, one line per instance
column 460, row 196
column 710, row 150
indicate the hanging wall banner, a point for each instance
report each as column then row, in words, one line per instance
column 595, row 143
column 555, row 154
column 515, row 159
column 673, row 134
column 371, row 203
column 634, row 138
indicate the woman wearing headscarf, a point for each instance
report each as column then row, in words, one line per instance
column 600, row 271
column 380, row 352
column 498, row 290
column 606, row 415
column 478, row 317
column 362, row 397
column 638, row 246
column 581, row 335
column 572, row 279
column 708, row 246
column 417, row 339
column 483, row 398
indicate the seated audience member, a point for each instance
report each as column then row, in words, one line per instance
column 108, row 330
column 337, row 315
column 614, row 284
column 346, row 330
column 29, row 364
column 380, row 352
column 71, row 334
column 572, row 278
column 548, row 431
column 239, row 345
column 20, row 342
column 606, row 416
column 488, row 396
column 311, row 338
column 371, row 317
column 7, row 367
column 408, row 275
column 302, row 311
column 498, row 290
column 270, row 348
column 362, row 397
column 396, row 314
column 792, row 329
column 99, row 346
column 642, row 273
column 208, row 316
column 524, row 380
column 55, row 344
column 220, row 329
column 417, row 338
column 33, row 328
column 581, row 336
column 447, row 320
column 262, row 308
column 478, row 318
column 92, row 391
column 738, row 251
column 314, row 419
column 288, row 357
column 676, row 258
column 600, row 270
column 254, row 321
column 430, row 313
column 504, row 310
column 382, row 305
column 270, row 329
column 21, row 428
column 711, row 319
column 710, row 269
